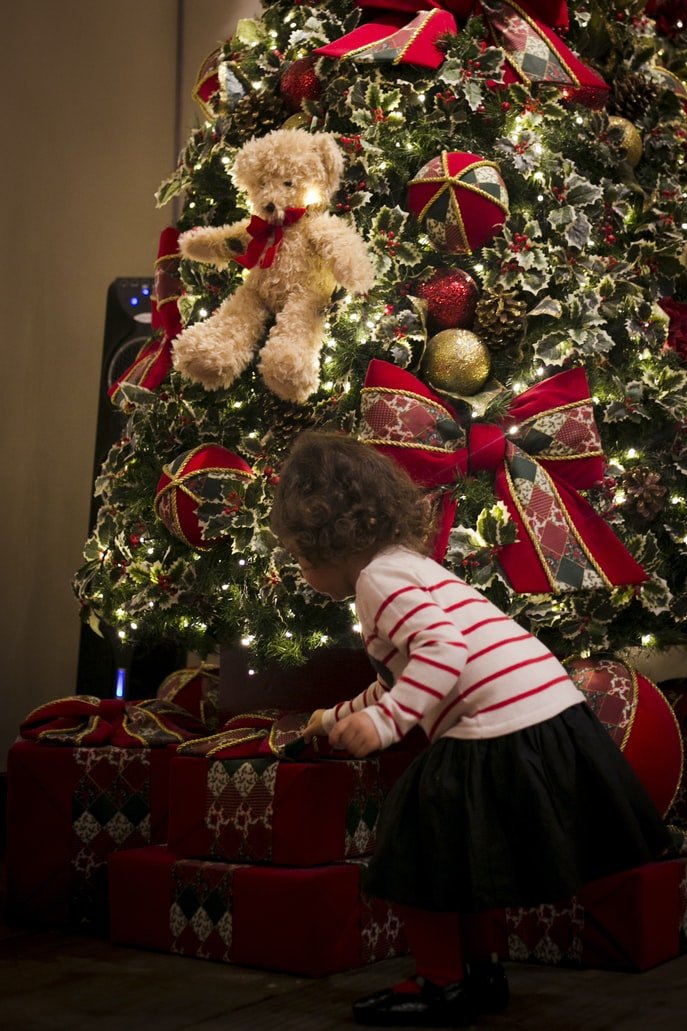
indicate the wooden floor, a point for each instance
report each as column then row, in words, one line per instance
column 54, row 981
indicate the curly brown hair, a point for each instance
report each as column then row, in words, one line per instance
column 337, row 497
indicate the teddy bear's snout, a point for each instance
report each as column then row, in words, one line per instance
column 270, row 208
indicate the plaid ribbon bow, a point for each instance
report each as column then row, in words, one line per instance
column 526, row 30
column 545, row 450
column 266, row 238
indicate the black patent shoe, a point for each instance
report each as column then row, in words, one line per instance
column 432, row 1006
column 487, row 985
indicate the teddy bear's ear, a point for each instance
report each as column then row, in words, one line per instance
column 331, row 158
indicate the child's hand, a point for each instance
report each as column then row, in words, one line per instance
column 314, row 726
column 357, row 733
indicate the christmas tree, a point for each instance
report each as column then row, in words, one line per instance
column 517, row 171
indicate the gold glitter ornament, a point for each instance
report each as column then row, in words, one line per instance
column 298, row 121
column 631, row 141
column 457, row 362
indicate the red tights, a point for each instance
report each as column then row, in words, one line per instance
column 441, row 943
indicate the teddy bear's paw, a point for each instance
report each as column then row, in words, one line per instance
column 206, row 357
column 291, row 377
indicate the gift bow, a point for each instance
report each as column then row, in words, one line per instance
column 266, row 238
column 562, row 544
column 83, row 720
column 266, row 732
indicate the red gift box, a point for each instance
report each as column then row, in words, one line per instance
column 270, row 811
column 629, row 921
column 313, row 922
column 67, row 810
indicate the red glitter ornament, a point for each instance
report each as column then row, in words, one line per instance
column 451, row 295
column 300, row 82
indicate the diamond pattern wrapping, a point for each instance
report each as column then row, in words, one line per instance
column 67, row 810
column 629, row 921
column 312, row 922
column 263, row 810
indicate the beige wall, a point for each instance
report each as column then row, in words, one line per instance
column 88, row 132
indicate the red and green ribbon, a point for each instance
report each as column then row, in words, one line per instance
column 545, row 450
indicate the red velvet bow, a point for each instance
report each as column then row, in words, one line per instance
column 83, row 721
column 266, row 732
column 267, row 238
column 389, row 36
column 562, row 544
column 524, row 29
column 154, row 361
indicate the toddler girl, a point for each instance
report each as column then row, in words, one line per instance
column 521, row 797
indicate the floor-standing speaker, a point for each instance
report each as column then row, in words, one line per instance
column 105, row 669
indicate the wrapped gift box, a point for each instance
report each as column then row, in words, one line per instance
column 629, row 921
column 266, row 810
column 312, row 922
column 67, row 810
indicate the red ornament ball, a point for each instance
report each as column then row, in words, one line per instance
column 300, row 82
column 640, row 721
column 208, row 475
column 461, row 199
column 451, row 296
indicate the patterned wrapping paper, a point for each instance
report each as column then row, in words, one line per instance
column 263, row 810
column 312, row 922
column 629, row 921
column 67, row 810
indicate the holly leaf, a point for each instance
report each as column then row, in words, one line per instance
column 547, row 306
column 655, row 596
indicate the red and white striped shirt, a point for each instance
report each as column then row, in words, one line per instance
column 447, row 658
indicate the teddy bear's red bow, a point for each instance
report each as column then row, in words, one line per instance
column 266, row 238
column 546, row 449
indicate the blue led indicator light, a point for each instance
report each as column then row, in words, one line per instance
column 120, row 683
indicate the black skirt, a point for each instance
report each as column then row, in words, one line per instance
column 517, row 820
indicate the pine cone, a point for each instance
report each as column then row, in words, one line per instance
column 287, row 420
column 645, row 494
column 499, row 318
column 632, row 96
column 257, row 118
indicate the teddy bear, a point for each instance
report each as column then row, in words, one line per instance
column 297, row 254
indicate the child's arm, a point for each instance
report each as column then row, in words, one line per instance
column 356, row 733
column 435, row 650
column 323, row 721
